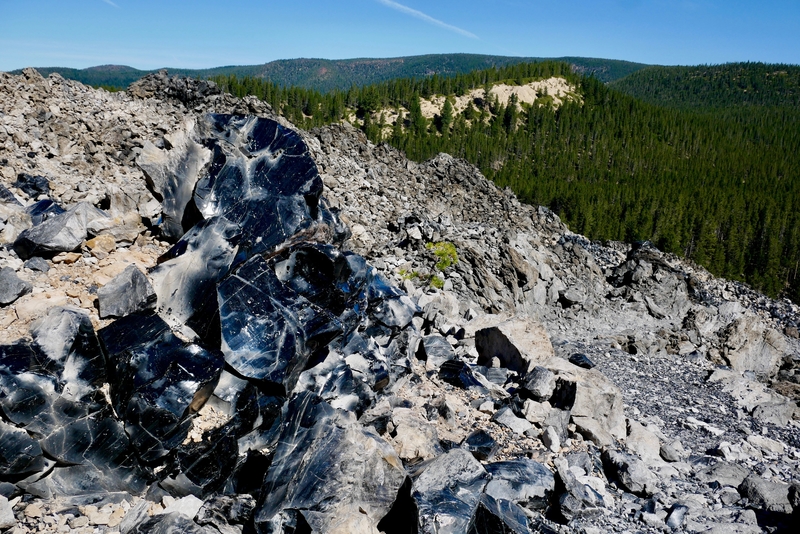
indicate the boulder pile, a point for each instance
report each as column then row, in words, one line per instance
column 214, row 322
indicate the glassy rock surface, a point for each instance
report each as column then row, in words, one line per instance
column 346, row 480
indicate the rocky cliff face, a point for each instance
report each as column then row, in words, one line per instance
column 216, row 323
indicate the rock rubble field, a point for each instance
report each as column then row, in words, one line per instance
column 214, row 322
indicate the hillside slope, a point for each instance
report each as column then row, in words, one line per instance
column 732, row 85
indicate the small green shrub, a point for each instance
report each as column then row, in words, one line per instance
column 445, row 252
column 437, row 282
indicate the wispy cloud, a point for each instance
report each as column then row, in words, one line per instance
column 422, row 16
column 109, row 2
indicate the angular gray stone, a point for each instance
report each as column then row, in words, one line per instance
column 632, row 474
column 723, row 473
column 506, row 417
column 520, row 344
column 11, row 287
column 550, row 439
column 540, row 383
column 63, row 233
column 126, row 293
column 765, row 494
column 7, row 519
column 578, row 500
column 37, row 264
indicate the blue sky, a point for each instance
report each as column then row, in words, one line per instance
column 202, row 33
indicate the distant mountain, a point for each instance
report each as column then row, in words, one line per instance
column 715, row 86
column 326, row 74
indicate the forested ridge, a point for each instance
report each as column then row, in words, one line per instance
column 329, row 74
column 718, row 183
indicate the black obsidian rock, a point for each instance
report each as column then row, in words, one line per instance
column 60, row 233
column 448, row 492
column 346, row 476
column 20, row 454
column 521, row 481
column 268, row 330
column 459, row 374
column 32, row 185
column 43, row 210
column 481, row 445
column 158, row 380
column 581, row 360
column 436, row 350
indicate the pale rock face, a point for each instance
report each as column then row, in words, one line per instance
column 749, row 345
column 520, row 344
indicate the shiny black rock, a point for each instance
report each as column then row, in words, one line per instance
column 346, row 475
column 158, row 380
column 269, row 331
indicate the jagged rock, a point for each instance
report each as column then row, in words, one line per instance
column 578, row 500
column 723, row 473
column 269, row 332
column 128, row 292
column 494, row 515
column 481, row 445
column 188, row 506
column 581, row 360
column 675, row 518
column 506, row 417
column 174, row 523
column 522, row 481
column 7, row 519
column 595, row 404
column 448, row 492
column 11, row 287
column 20, row 454
column 459, row 374
column 37, row 264
column 520, row 344
column 540, row 383
column 32, row 185
column 43, row 210
column 632, row 474
column 435, row 350
column 160, row 380
column 765, row 494
column 415, row 438
column 643, row 443
column 551, row 439
column 336, row 382
column 62, row 233
column 346, row 480
column 173, row 173
column 223, row 511
column 750, row 346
